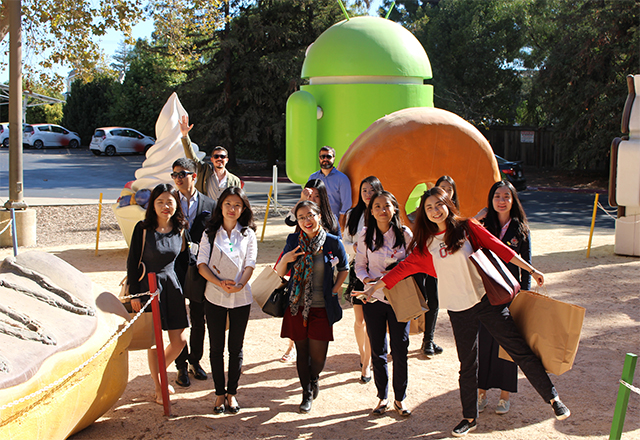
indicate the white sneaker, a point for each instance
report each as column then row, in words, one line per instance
column 503, row 406
column 482, row 403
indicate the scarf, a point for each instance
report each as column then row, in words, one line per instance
column 302, row 285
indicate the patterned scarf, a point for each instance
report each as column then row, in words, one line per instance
column 302, row 286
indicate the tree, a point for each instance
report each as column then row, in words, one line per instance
column 580, row 87
column 88, row 105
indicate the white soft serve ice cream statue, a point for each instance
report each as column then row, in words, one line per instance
column 156, row 168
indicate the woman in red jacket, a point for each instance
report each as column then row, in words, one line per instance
column 441, row 248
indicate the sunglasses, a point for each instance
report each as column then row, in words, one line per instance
column 180, row 174
column 326, row 156
column 219, row 156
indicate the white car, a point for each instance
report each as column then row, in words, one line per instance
column 112, row 140
column 49, row 135
column 4, row 135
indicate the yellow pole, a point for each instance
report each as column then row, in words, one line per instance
column 266, row 214
column 99, row 218
column 593, row 223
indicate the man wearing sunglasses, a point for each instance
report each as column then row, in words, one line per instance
column 338, row 184
column 214, row 177
column 197, row 210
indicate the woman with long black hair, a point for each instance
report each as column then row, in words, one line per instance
column 316, row 191
column 227, row 257
column 507, row 221
column 354, row 224
column 383, row 243
column 160, row 239
column 441, row 246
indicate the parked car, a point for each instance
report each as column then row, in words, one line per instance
column 4, row 134
column 512, row 171
column 112, row 140
column 49, row 135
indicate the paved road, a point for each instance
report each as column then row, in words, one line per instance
column 62, row 176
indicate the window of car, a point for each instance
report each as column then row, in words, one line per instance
column 117, row 132
column 28, row 129
column 98, row 133
column 56, row 129
column 43, row 128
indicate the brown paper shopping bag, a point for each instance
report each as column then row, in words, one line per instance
column 551, row 328
column 264, row 285
column 406, row 300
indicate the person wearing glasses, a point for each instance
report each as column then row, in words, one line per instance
column 214, row 177
column 338, row 184
column 313, row 256
column 197, row 210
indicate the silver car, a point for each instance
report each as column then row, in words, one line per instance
column 112, row 140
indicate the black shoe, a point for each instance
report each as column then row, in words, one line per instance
column 381, row 408
column 232, row 409
column 403, row 412
column 197, row 371
column 365, row 379
column 464, row 427
column 219, row 409
column 315, row 389
column 307, row 400
column 183, row 377
column 560, row 409
column 431, row 349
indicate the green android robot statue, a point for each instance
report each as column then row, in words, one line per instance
column 359, row 70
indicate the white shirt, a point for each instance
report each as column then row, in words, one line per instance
column 456, row 274
column 349, row 240
column 222, row 184
column 189, row 207
column 374, row 264
column 230, row 256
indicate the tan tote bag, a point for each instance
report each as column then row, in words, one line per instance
column 406, row 300
column 264, row 285
column 551, row 328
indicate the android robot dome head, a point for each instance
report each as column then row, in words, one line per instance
column 366, row 49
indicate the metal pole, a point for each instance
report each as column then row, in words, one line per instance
column 593, row 223
column 275, row 187
column 14, row 232
column 16, row 189
column 98, row 228
column 266, row 214
column 623, row 397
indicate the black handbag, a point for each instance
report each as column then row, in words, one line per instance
column 195, row 284
column 278, row 302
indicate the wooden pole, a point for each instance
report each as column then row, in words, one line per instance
column 623, row 397
column 99, row 219
column 266, row 214
column 593, row 223
column 157, row 327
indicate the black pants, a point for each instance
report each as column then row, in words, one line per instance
column 193, row 350
column 378, row 315
column 498, row 321
column 428, row 285
column 216, row 323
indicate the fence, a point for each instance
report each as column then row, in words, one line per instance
column 533, row 146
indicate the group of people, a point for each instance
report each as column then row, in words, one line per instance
column 333, row 241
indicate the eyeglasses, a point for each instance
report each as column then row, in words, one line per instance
column 219, row 156
column 180, row 174
column 310, row 216
column 326, row 156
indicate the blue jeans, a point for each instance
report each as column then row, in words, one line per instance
column 497, row 320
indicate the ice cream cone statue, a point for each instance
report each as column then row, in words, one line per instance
column 624, row 178
column 156, row 168
column 54, row 378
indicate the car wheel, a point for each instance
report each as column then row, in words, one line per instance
column 38, row 145
column 146, row 148
column 110, row 150
column 96, row 152
column 73, row 143
column 5, row 143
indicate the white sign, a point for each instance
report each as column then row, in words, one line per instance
column 526, row 137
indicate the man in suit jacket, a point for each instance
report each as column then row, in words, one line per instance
column 197, row 209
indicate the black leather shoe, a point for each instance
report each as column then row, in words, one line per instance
column 220, row 408
column 198, row 372
column 233, row 409
column 307, row 400
column 431, row 349
column 183, row 377
column 315, row 388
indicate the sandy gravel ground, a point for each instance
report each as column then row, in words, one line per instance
column 608, row 286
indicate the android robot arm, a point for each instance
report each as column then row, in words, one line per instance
column 301, row 137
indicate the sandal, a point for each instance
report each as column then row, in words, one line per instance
column 288, row 357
